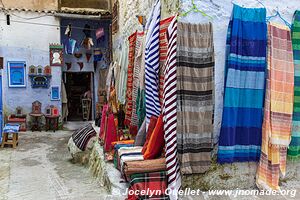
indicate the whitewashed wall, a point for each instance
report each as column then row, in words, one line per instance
column 29, row 43
column 220, row 10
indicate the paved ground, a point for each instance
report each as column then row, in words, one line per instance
column 40, row 169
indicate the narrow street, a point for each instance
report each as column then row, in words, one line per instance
column 41, row 168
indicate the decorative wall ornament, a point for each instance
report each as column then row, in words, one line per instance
column 69, row 65
column 100, row 33
column 88, row 56
column 32, row 70
column 39, row 70
column 47, row 70
column 55, row 93
column 16, row 74
column 41, row 77
column 40, row 81
column 56, row 55
column 98, row 55
column 78, row 55
column 80, row 65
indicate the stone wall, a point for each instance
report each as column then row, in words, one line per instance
column 31, row 4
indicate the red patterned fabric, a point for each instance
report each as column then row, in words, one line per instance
column 152, row 124
column 102, row 126
column 155, row 182
column 163, row 49
column 132, row 43
column 111, row 133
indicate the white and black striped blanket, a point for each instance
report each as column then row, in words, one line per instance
column 82, row 136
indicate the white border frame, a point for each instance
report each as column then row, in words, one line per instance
column 8, row 73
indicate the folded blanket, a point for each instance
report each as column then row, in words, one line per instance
column 126, row 154
column 141, row 186
column 144, row 166
column 82, row 136
column 122, row 142
column 116, row 146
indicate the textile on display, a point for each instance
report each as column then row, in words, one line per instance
column 153, row 121
column 195, row 90
column 163, row 48
column 131, row 56
column 145, row 166
column 136, row 75
column 154, row 181
column 240, row 136
column 82, row 136
column 156, row 142
column 169, row 108
column 278, row 108
column 123, row 62
column 140, row 138
column 294, row 147
column 152, row 64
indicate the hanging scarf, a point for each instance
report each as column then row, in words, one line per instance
column 277, row 125
column 240, row 136
column 294, row 148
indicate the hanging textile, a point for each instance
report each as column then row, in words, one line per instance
column 123, row 62
column 277, row 125
column 110, row 134
column 132, row 43
column 103, row 123
column 163, row 48
column 141, row 99
column 169, row 107
column 195, row 90
column 136, row 74
column 240, row 136
column 294, row 148
column 152, row 64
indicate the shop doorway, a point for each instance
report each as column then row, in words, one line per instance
column 79, row 88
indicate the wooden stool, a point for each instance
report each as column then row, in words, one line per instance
column 14, row 141
column 10, row 129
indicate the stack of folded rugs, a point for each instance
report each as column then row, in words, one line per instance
column 142, row 161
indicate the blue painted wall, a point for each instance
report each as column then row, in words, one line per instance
column 29, row 43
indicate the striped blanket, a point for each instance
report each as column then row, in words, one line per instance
column 195, row 90
column 129, row 85
column 82, row 136
column 278, row 109
column 294, row 148
column 129, row 154
column 155, row 183
column 240, row 136
column 152, row 64
column 169, row 108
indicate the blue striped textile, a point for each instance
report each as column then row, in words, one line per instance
column 244, row 86
column 152, row 65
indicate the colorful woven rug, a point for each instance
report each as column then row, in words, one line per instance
column 240, row 136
